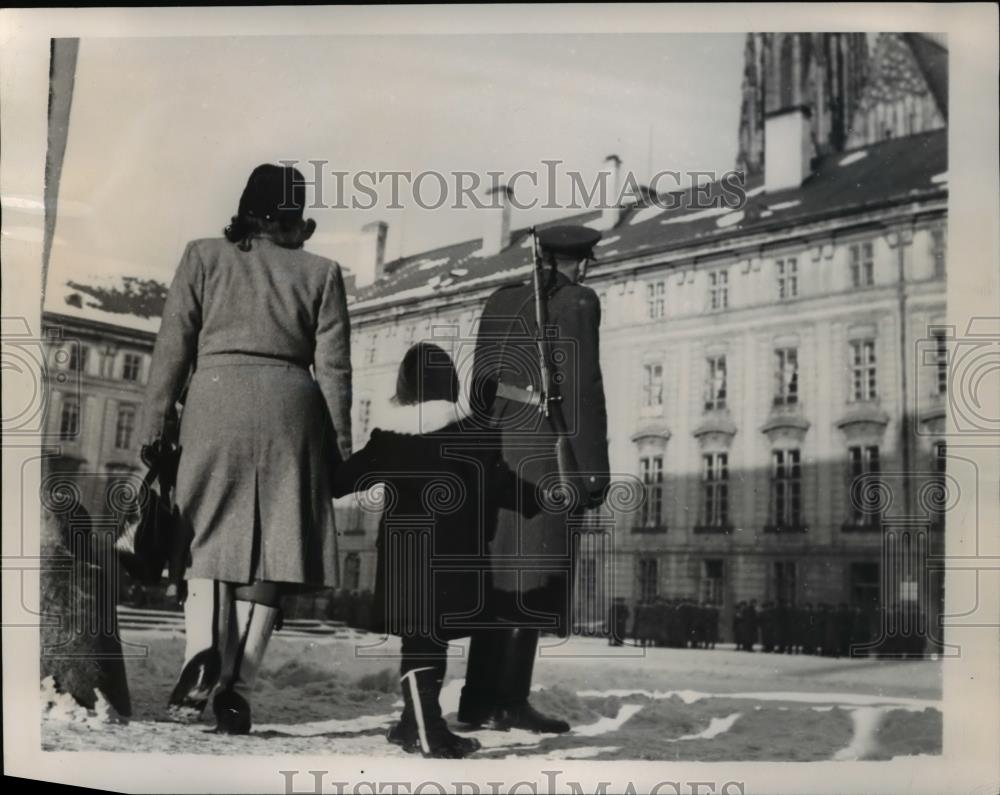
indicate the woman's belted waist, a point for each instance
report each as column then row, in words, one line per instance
column 208, row 360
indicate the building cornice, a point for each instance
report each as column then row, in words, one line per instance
column 123, row 333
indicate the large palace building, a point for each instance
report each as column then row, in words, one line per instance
column 775, row 367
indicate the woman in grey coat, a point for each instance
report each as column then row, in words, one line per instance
column 260, row 328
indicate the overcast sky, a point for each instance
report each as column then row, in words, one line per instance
column 164, row 132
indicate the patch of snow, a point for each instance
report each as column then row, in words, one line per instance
column 755, row 192
column 866, row 721
column 459, row 272
column 937, row 179
column 608, row 240
column 434, row 281
column 585, row 752
column 63, row 708
column 700, row 215
column 610, row 253
column 851, row 699
column 519, row 738
column 730, row 220
column 854, row 157
column 606, row 724
column 784, row 205
column 427, row 264
column 504, row 275
column 766, row 214
column 357, row 725
column 716, row 726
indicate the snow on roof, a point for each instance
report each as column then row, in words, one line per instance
column 698, row 215
column 646, row 214
column 127, row 301
column 891, row 171
column 784, row 205
column 853, row 157
column 730, row 219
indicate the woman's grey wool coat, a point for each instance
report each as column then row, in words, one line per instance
column 267, row 411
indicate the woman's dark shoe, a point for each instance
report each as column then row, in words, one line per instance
column 232, row 712
column 524, row 716
column 194, row 686
column 206, row 625
column 254, row 625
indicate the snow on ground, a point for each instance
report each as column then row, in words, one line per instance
column 327, row 696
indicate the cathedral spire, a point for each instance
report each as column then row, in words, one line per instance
column 820, row 72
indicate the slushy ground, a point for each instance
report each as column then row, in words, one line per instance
column 337, row 696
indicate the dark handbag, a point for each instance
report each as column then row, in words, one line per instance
column 147, row 527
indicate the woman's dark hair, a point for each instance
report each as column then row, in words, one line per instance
column 426, row 373
column 286, row 232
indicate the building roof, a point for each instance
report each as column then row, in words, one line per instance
column 129, row 302
column 895, row 171
column 891, row 172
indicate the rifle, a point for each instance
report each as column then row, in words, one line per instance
column 549, row 402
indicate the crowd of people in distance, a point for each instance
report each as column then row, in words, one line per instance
column 775, row 627
column 828, row 630
column 676, row 622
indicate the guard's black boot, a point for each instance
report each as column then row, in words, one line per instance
column 207, row 619
column 478, row 702
column 514, row 711
column 427, row 733
column 525, row 716
column 255, row 623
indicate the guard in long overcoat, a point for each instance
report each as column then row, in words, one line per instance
column 258, row 331
column 533, row 558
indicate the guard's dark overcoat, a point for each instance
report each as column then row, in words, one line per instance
column 533, row 558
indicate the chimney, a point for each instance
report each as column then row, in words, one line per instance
column 371, row 262
column 610, row 174
column 496, row 234
column 787, row 148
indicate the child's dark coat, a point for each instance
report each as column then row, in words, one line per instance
column 442, row 489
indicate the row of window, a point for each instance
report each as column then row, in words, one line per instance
column 70, row 423
column 786, row 278
column 79, row 360
column 785, row 497
column 862, row 375
column 782, row 581
column 786, row 381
